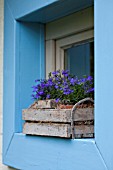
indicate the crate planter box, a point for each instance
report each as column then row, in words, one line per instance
column 42, row 119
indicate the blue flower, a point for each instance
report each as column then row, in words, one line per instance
column 57, row 100
column 89, row 78
column 37, row 96
column 65, row 73
column 56, row 86
column 83, row 80
column 61, row 88
column 42, row 85
column 90, row 90
column 48, row 96
column 40, row 93
column 35, row 88
column 50, row 82
column 33, row 96
column 73, row 81
column 57, row 78
column 59, row 82
column 55, row 73
column 65, row 83
column 67, row 91
column 46, row 85
column 37, row 80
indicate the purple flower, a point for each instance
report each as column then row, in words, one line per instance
column 42, row 85
column 40, row 93
column 90, row 90
column 65, row 83
column 50, row 79
column 56, row 86
column 37, row 96
column 57, row 78
column 83, row 80
column 79, row 82
column 65, row 72
column 61, row 88
column 57, row 100
column 46, row 85
column 37, row 80
column 55, row 73
column 48, row 96
column 73, row 81
column 89, row 78
column 33, row 96
column 35, row 88
column 67, row 91
column 50, row 82
column 59, row 82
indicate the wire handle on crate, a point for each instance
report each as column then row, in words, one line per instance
column 72, row 114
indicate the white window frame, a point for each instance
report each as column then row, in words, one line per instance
column 65, row 32
column 65, row 43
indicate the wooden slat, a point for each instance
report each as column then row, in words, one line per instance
column 44, row 104
column 50, row 115
column 83, row 114
column 47, row 129
column 55, row 115
column 59, row 130
column 84, row 129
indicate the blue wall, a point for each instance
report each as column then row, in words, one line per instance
column 24, row 61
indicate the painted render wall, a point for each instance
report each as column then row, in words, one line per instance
column 2, row 167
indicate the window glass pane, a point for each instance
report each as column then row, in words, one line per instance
column 79, row 59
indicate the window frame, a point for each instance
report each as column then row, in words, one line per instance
column 64, row 43
column 64, row 32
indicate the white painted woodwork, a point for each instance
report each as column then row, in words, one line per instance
column 66, row 42
column 50, row 60
column 64, row 32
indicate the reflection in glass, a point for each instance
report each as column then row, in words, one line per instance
column 79, row 59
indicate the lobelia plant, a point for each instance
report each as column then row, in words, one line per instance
column 63, row 87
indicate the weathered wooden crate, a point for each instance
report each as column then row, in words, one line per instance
column 59, row 122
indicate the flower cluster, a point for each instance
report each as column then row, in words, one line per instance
column 62, row 86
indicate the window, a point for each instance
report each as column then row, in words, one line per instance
column 70, row 44
column 79, row 59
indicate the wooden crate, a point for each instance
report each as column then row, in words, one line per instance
column 58, row 122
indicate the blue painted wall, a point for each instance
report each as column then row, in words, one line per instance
column 104, row 81
column 24, row 61
column 30, row 64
